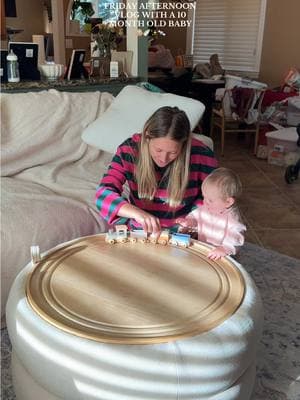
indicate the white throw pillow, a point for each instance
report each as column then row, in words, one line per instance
column 128, row 113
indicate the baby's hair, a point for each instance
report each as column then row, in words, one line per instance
column 227, row 181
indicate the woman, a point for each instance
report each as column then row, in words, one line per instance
column 164, row 168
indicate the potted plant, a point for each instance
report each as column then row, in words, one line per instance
column 82, row 9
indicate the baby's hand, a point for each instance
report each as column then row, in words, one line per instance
column 217, row 253
column 186, row 224
column 182, row 221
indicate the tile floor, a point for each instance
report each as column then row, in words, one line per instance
column 269, row 206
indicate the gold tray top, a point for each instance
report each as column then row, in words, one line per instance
column 133, row 293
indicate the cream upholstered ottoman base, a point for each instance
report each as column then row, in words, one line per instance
column 215, row 365
column 25, row 387
column 28, row 389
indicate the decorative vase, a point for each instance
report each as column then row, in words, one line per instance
column 108, row 51
column 101, row 49
column 105, row 50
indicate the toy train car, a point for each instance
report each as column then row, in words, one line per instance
column 176, row 239
column 180, row 239
column 119, row 235
column 163, row 238
column 138, row 235
column 123, row 235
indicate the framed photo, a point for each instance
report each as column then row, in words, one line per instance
column 27, row 53
column 96, row 67
column 75, row 68
column 3, row 69
column 99, row 66
column 125, row 60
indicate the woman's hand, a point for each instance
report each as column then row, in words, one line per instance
column 149, row 223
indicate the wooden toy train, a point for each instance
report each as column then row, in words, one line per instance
column 121, row 234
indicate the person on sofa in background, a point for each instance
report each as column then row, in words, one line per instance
column 218, row 220
column 164, row 168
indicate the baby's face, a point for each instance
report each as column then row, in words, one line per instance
column 213, row 200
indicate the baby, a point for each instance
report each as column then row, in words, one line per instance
column 218, row 220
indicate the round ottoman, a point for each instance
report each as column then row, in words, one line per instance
column 133, row 321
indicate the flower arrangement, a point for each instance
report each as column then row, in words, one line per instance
column 151, row 33
column 106, row 37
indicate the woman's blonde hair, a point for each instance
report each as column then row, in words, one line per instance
column 227, row 181
column 174, row 124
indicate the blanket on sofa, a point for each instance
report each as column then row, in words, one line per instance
column 49, row 175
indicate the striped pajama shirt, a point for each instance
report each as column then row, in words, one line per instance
column 109, row 198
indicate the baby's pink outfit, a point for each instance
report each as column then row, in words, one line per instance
column 219, row 229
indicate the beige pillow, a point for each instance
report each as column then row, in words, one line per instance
column 128, row 113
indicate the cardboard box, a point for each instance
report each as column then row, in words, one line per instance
column 231, row 81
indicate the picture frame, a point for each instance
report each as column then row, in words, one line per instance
column 3, row 68
column 125, row 59
column 96, row 67
column 75, row 69
column 27, row 53
column 99, row 67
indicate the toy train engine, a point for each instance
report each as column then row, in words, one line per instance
column 120, row 235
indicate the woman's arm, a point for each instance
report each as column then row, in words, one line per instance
column 109, row 192
column 148, row 221
column 109, row 198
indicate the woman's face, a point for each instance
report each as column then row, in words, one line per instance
column 164, row 150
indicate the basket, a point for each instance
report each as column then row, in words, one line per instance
column 231, row 81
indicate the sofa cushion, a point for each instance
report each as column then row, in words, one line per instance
column 45, row 127
column 33, row 214
column 128, row 113
column 49, row 175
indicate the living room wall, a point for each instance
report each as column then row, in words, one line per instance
column 30, row 18
column 281, row 43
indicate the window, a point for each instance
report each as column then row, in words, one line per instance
column 231, row 28
column 106, row 9
column 83, row 10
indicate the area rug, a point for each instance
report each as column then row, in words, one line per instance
column 278, row 359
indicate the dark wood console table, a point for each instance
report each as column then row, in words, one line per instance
column 171, row 83
column 110, row 85
column 205, row 90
